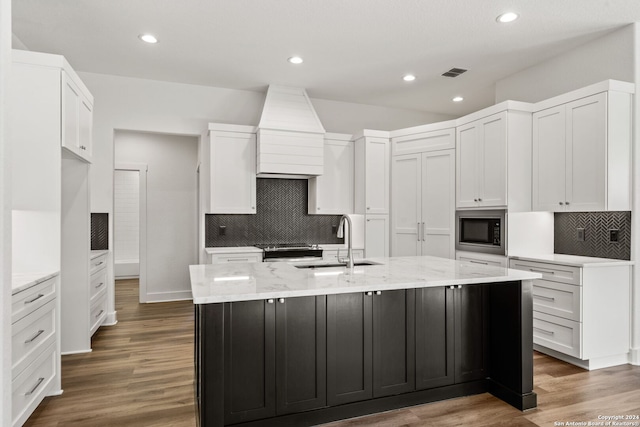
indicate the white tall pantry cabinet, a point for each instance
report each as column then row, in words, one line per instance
column 423, row 191
column 53, row 124
column 372, row 178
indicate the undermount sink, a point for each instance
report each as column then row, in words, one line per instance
column 355, row 264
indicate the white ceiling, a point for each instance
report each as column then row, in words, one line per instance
column 354, row 50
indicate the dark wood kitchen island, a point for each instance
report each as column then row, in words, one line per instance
column 278, row 345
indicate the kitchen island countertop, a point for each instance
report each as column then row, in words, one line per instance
column 215, row 283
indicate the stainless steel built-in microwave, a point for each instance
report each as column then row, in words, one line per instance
column 481, row 231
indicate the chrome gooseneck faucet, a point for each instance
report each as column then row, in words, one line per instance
column 349, row 260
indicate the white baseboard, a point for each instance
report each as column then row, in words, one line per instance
column 111, row 319
column 591, row 364
column 169, row 296
column 65, row 353
column 634, row 356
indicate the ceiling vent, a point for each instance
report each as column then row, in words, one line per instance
column 454, row 72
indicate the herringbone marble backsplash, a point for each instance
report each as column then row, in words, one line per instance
column 99, row 231
column 596, row 226
column 281, row 217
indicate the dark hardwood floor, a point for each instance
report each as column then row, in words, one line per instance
column 140, row 373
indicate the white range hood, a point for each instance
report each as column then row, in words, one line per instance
column 290, row 135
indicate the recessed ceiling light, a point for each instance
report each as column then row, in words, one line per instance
column 409, row 78
column 458, row 99
column 507, row 17
column 295, row 60
column 148, row 38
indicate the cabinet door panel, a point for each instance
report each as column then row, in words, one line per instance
column 467, row 164
column 493, row 161
column 233, row 173
column 249, row 361
column 70, row 114
column 85, row 127
column 586, row 152
column 434, row 337
column 349, row 348
column 406, row 196
column 438, row 204
column 469, row 333
column 377, row 177
column 332, row 192
column 376, row 236
column 549, row 159
column 393, row 342
column 301, row 354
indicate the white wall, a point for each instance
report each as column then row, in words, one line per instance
column 608, row 57
column 5, row 219
column 613, row 56
column 126, row 217
column 171, row 215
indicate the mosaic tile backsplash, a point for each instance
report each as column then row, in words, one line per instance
column 99, row 231
column 596, row 234
column 281, row 217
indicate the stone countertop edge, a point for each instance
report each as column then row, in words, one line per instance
column 232, row 249
column 23, row 281
column 573, row 260
column 215, row 283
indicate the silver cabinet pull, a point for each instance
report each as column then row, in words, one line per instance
column 423, row 232
column 378, row 292
column 475, row 200
column 478, row 262
column 33, row 338
column 368, row 293
column 561, row 203
column 566, row 203
column 552, row 299
column 99, row 314
column 237, row 259
column 479, row 200
column 318, row 208
column 100, row 263
column 368, row 207
column 270, row 301
column 418, row 233
column 35, row 387
column 281, row 300
column 29, row 301
column 544, row 331
column 542, row 271
column 459, row 286
column 452, row 287
column 99, row 284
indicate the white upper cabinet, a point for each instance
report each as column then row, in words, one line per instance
column 372, row 164
column 332, row 192
column 481, row 161
column 232, row 169
column 423, row 204
column 77, row 118
column 493, row 158
column 582, row 150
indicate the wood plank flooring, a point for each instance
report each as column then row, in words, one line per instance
column 140, row 373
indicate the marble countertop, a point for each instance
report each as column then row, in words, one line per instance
column 336, row 246
column 232, row 250
column 214, row 283
column 22, row 281
column 573, row 260
column 97, row 253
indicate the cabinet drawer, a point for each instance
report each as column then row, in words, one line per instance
column 552, row 272
column 332, row 255
column 30, row 335
column 30, row 387
column 221, row 258
column 558, row 299
column 33, row 298
column 98, row 263
column 483, row 259
column 98, row 283
column 557, row 333
column 98, row 313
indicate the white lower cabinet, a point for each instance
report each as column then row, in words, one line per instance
column 97, row 292
column 233, row 254
column 581, row 314
column 336, row 255
column 376, row 236
column 482, row 259
column 35, row 351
